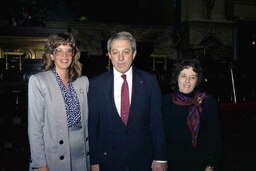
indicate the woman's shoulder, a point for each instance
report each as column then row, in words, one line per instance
column 40, row 75
column 210, row 99
column 167, row 97
column 40, row 79
column 83, row 78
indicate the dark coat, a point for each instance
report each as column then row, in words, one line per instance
column 181, row 155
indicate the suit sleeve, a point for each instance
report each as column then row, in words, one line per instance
column 157, row 122
column 213, row 132
column 93, row 123
column 36, row 122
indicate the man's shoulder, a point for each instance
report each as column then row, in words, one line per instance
column 142, row 72
column 102, row 76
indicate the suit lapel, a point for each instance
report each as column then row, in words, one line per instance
column 81, row 92
column 137, row 87
column 109, row 82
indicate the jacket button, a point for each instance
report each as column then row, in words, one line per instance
column 61, row 142
column 61, row 157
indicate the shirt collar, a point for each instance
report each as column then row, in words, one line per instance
column 119, row 74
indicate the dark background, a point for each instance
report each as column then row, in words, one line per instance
column 121, row 11
column 238, row 120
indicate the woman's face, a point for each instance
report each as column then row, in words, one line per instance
column 62, row 57
column 187, row 80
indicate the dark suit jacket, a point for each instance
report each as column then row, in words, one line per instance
column 115, row 146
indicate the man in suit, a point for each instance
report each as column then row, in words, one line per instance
column 136, row 144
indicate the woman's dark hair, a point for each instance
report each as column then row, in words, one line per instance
column 181, row 64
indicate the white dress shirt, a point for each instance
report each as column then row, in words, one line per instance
column 118, row 81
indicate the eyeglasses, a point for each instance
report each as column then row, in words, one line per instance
column 61, row 52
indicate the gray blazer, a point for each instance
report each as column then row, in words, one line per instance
column 47, row 122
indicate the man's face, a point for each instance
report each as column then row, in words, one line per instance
column 121, row 55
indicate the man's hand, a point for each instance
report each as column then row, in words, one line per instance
column 95, row 167
column 157, row 166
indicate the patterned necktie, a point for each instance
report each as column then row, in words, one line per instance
column 125, row 102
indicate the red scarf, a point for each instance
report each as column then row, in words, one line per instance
column 195, row 110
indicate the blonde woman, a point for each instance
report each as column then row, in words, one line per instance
column 58, row 110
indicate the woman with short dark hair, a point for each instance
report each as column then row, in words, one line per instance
column 191, row 118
